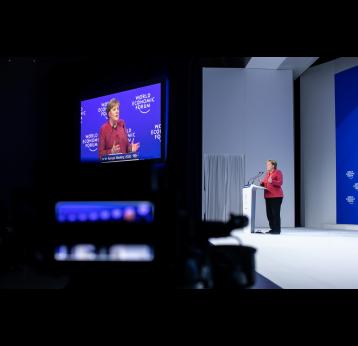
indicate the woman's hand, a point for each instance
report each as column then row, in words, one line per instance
column 115, row 149
column 135, row 146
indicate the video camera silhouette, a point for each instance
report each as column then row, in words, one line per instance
column 219, row 266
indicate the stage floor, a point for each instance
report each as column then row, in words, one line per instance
column 303, row 258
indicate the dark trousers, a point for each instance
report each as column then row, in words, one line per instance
column 273, row 209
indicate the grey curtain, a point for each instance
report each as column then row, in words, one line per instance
column 223, row 180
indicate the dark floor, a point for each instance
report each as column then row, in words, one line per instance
column 27, row 277
column 264, row 283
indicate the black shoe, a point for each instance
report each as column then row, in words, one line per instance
column 274, row 232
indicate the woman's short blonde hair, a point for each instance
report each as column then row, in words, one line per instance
column 113, row 102
column 273, row 163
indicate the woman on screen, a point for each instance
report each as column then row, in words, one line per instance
column 113, row 138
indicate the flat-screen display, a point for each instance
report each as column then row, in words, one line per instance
column 124, row 126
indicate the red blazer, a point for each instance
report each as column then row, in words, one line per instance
column 109, row 136
column 273, row 189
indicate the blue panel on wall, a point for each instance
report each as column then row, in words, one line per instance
column 346, row 97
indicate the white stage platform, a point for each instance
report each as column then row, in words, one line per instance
column 302, row 258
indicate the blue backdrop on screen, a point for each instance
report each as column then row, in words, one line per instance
column 346, row 89
column 140, row 109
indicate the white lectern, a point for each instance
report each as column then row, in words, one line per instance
column 249, row 205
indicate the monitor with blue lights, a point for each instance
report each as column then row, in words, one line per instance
column 112, row 253
column 104, row 211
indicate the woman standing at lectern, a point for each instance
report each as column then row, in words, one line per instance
column 273, row 196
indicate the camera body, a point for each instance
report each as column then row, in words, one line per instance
column 205, row 265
